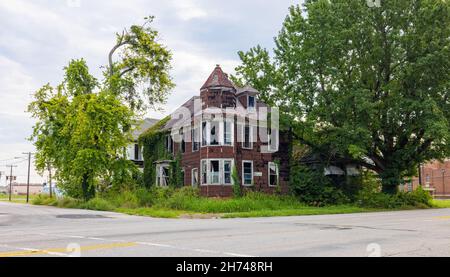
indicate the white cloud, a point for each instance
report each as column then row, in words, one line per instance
column 39, row 37
column 188, row 10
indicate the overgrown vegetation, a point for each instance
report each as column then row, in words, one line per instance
column 186, row 201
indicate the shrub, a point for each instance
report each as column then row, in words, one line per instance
column 237, row 190
column 124, row 199
column 416, row 199
column 313, row 188
column 69, row 203
column 98, row 204
column 45, row 200
column 145, row 197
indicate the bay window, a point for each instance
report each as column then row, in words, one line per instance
column 215, row 133
column 227, row 133
column 216, row 171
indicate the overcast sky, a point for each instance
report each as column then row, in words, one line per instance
column 39, row 37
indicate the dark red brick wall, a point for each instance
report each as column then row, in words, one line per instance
column 190, row 160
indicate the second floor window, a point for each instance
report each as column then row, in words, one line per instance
column 247, row 136
column 216, row 133
column 169, row 144
column 183, row 142
column 195, row 139
column 227, row 133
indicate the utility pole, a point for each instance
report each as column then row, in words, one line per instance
column 10, row 180
column 28, row 180
column 420, row 174
column 50, row 180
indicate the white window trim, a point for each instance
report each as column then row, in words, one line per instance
column 221, row 134
column 159, row 175
column 221, row 172
column 273, row 150
column 243, row 174
column 250, row 136
column 277, row 169
column 232, row 132
column 192, row 177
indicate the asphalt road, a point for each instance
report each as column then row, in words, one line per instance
column 46, row 231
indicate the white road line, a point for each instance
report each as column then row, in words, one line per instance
column 152, row 244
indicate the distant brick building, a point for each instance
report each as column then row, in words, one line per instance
column 218, row 132
column 21, row 189
column 435, row 177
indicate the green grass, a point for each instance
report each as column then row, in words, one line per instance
column 441, row 203
column 151, row 212
column 186, row 203
column 15, row 198
column 342, row 209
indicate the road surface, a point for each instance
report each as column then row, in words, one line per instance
column 46, row 231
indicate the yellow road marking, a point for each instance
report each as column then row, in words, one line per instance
column 445, row 217
column 64, row 250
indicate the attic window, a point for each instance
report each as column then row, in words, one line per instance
column 251, row 103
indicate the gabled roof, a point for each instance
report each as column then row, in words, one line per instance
column 218, row 79
column 143, row 126
column 246, row 89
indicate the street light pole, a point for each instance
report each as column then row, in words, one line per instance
column 443, row 181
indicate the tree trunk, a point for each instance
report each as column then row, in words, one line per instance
column 88, row 189
column 390, row 180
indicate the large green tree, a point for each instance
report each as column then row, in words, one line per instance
column 82, row 133
column 366, row 82
column 83, row 126
column 139, row 66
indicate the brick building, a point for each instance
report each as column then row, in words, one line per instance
column 226, row 127
column 435, row 178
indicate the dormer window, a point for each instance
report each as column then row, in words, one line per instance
column 251, row 103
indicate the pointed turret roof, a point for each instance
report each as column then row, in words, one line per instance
column 218, row 79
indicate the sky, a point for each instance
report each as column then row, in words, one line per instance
column 39, row 37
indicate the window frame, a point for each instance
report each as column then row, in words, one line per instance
column 251, row 109
column 243, row 173
column 224, row 133
column 206, row 142
column 250, row 127
column 193, row 184
column 159, row 170
column 193, row 139
column 277, row 171
column 221, row 172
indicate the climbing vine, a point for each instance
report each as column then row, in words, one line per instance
column 154, row 143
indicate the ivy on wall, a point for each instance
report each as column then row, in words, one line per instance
column 154, row 143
